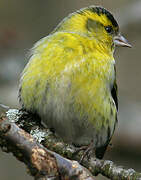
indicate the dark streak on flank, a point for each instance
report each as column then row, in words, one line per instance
column 19, row 95
column 108, row 133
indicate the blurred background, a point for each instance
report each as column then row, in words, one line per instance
column 22, row 23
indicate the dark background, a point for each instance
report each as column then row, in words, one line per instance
column 22, row 23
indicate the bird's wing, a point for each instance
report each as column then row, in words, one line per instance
column 99, row 152
column 114, row 94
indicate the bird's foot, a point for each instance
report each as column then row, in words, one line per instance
column 87, row 151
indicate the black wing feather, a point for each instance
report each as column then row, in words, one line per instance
column 99, row 152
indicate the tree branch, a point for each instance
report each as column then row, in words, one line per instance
column 47, row 164
column 41, row 162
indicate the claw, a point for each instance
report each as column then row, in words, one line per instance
column 87, row 151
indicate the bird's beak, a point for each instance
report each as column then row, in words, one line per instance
column 119, row 40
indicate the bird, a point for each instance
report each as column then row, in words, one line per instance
column 70, row 79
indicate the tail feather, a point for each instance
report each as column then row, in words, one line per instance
column 99, row 152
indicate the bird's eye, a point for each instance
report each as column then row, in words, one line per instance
column 109, row 29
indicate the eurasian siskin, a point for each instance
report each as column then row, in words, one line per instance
column 70, row 80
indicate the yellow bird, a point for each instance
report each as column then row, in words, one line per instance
column 70, row 80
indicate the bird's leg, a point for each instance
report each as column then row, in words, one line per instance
column 82, row 148
column 87, row 151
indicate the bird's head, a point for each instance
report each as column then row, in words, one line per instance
column 96, row 23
